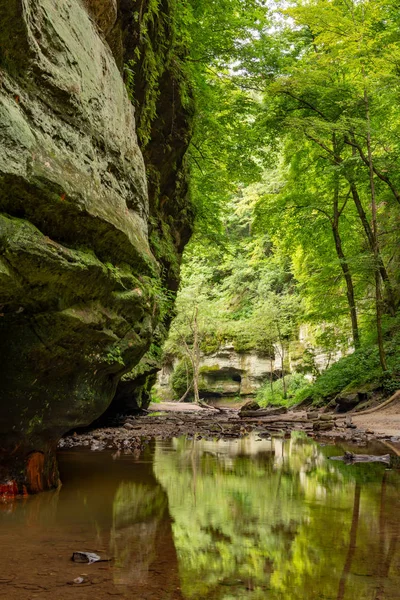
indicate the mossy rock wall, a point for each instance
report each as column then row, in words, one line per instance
column 79, row 281
column 147, row 48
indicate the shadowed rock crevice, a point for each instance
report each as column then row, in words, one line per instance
column 164, row 139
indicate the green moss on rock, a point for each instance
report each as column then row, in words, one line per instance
column 81, row 290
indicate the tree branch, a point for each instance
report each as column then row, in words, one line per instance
column 378, row 173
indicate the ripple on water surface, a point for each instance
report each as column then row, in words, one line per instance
column 227, row 520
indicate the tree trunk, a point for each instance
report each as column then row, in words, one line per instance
column 391, row 304
column 282, row 352
column 378, row 307
column 185, row 395
column 382, row 176
column 196, row 357
column 283, row 376
column 271, row 380
column 349, row 287
column 344, row 264
column 378, row 293
column 196, row 390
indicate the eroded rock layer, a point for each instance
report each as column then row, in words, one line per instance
column 79, row 283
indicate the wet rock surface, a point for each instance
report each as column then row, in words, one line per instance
column 131, row 434
column 74, row 251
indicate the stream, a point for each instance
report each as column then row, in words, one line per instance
column 192, row 519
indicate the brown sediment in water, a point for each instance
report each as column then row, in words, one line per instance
column 42, row 531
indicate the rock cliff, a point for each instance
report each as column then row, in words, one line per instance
column 80, row 282
column 225, row 374
column 144, row 34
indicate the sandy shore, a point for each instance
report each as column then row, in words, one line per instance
column 384, row 422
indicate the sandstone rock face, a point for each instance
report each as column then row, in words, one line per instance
column 104, row 13
column 78, row 279
column 305, row 356
column 229, row 373
column 226, row 373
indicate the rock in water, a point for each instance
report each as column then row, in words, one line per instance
column 250, row 405
column 77, row 275
column 350, row 458
column 85, row 557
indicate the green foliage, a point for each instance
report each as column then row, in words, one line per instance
column 181, row 378
column 114, row 356
column 323, row 101
column 274, row 394
column 154, row 396
column 159, row 48
column 197, row 43
column 226, row 151
column 295, row 153
column 243, row 289
column 355, row 370
column 161, row 297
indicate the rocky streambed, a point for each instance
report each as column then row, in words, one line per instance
column 131, row 434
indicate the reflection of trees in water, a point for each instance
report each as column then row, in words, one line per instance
column 285, row 524
column 386, row 551
column 137, row 511
column 352, row 542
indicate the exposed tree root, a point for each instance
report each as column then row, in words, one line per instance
column 396, row 396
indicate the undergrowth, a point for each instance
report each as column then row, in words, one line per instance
column 350, row 374
column 274, row 395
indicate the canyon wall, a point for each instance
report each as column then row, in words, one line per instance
column 86, row 251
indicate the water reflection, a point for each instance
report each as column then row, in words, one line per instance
column 141, row 542
column 236, row 520
column 286, row 523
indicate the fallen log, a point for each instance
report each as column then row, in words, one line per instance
column 350, row 458
column 269, row 412
column 276, row 419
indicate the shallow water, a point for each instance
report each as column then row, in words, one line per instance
column 236, row 520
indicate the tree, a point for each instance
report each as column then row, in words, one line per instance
column 333, row 95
